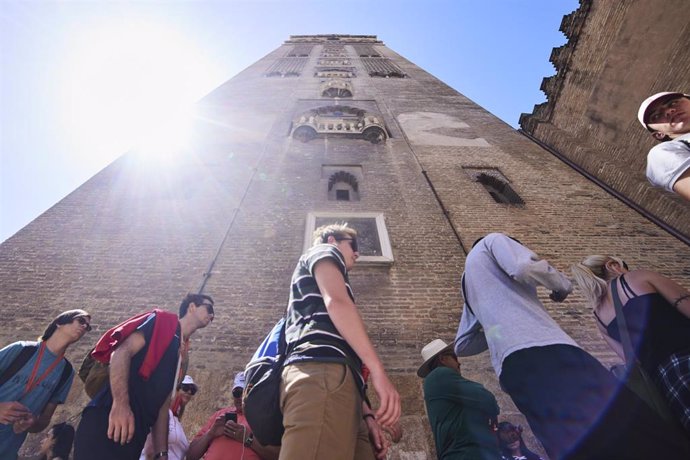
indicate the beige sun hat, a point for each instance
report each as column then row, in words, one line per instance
column 430, row 351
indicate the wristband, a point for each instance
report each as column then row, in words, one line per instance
column 250, row 439
column 369, row 415
column 161, row 454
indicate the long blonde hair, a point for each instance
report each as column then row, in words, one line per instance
column 590, row 276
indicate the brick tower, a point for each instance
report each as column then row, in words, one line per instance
column 324, row 128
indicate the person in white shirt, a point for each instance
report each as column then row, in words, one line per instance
column 667, row 116
column 177, row 440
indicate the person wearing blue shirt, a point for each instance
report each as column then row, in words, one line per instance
column 28, row 398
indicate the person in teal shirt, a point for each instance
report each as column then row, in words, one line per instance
column 30, row 395
column 462, row 413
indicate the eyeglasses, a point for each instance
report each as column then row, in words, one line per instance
column 83, row 322
column 353, row 242
column 188, row 388
column 510, row 428
column 209, row 308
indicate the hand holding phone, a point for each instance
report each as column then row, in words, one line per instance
column 231, row 416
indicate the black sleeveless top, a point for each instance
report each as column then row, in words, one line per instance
column 657, row 329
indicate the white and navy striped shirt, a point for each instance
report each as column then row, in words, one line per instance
column 309, row 331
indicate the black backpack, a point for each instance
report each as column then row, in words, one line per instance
column 262, row 390
column 23, row 357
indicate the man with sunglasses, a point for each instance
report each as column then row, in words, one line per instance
column 34, row 378
column 143, row 372
column 322, row 389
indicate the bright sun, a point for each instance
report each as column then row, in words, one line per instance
column 131, row 85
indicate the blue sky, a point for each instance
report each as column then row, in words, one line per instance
column 82, row 82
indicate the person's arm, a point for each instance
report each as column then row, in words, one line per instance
column 470, row 339
column 159, row 431
column 674, row 293
column 43, row 420
column 379, row 442
column 12, row 411
column 525, row 266
column 265, row 452
column 203, row 439
column 345, row 316
column 469, row 394
column 121, row 419
column 682, row 185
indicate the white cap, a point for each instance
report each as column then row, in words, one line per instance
column 649, row 101
column 431, row 351
column 239, row 381
column 188, row 380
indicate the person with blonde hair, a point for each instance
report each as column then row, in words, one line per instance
column 657, row 313
column 322, row 386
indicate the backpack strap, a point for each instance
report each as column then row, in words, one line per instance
column 66, row 372
column 626, row 288
column 628, row 349
column 464, row 294
column 18, row 362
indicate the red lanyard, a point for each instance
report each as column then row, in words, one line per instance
column 33, row 382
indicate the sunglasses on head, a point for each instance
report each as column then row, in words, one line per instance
column 188, row 388
column 353, row 242
column 84, row 322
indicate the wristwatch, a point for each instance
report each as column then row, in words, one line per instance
column 250, row 439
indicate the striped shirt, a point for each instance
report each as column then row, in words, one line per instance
column 309, row 331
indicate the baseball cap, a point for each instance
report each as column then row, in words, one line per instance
column 642, row 112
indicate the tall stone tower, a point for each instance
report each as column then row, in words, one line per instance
column 325, row 128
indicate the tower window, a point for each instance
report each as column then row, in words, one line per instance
column 342, row 195
column 499, row 190
column 343, row 186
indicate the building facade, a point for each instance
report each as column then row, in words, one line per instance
column 326, row 128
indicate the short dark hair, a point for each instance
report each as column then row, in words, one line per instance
column 65, row 317
column 63, row 433
column 197, row 299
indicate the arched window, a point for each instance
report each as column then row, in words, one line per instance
column 343, row 186
column 499, row 190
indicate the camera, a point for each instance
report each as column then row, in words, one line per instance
column 231, row 416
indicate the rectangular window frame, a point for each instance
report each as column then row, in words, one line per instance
column 386, row 257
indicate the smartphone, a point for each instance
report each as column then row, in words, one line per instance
column 231, row 416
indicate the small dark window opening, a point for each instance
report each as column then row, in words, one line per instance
column 342, row 195
column 500, row 191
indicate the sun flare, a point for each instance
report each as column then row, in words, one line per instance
column 132, row 86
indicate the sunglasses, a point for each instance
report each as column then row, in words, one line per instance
column 84, row 322
column 209, row 308
column 187, row 388
column 353, row 242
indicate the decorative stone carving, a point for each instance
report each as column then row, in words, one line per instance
column 287, row 67
column 336, row 88
column 382, row 67
column 339, row 121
